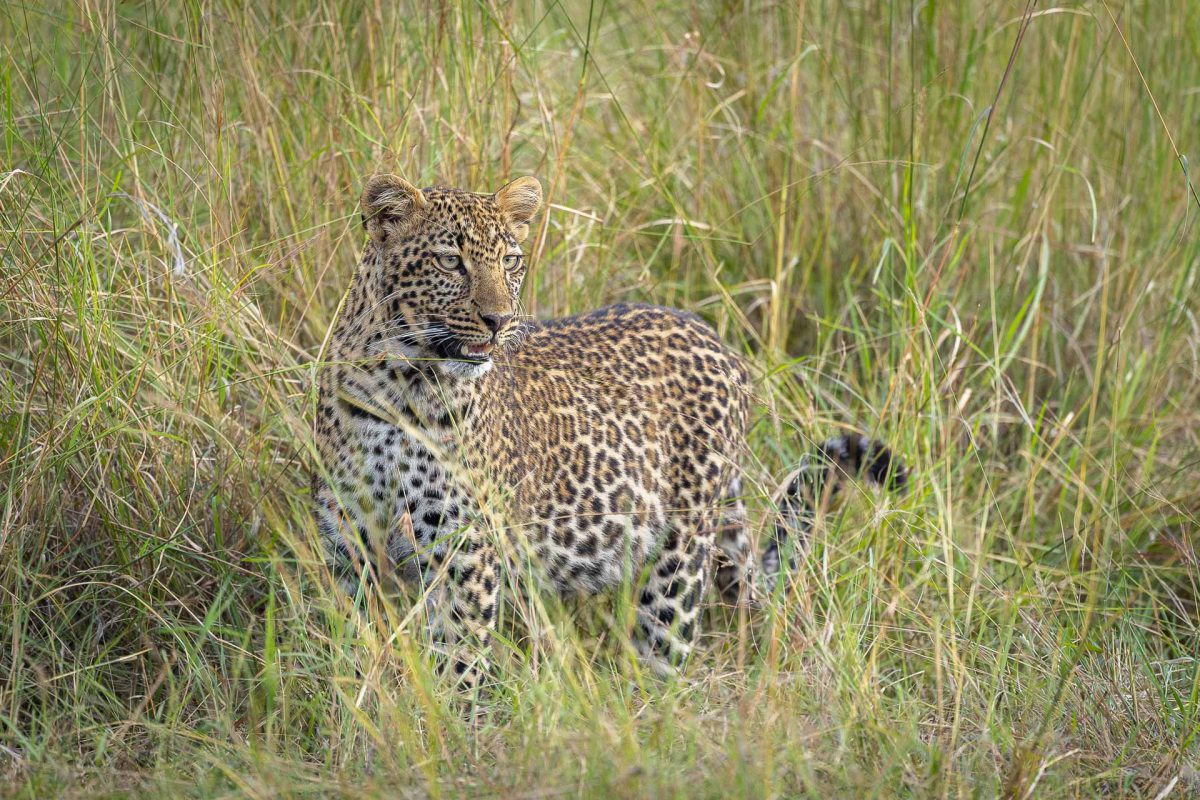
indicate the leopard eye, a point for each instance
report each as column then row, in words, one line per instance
column 511, row 262
column 450, row 262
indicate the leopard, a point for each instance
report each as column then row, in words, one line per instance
column 612, row 441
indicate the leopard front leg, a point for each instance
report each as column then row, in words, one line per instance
column 464, row 604
column 669, row 606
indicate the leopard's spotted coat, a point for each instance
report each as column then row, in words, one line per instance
column 611, row 440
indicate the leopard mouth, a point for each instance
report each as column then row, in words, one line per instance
column 478, row 352
column 455, row 349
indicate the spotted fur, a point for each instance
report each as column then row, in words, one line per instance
column 816, row 483
column 610, row 441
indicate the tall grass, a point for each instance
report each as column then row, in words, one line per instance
column 992, row 266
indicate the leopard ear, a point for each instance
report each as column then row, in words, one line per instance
column 519, row 200
column 388, row 203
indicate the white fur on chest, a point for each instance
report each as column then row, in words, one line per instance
column 410, row 486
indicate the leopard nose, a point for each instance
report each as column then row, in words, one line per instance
column 496, row 322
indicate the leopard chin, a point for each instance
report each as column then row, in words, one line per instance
column 468, row 370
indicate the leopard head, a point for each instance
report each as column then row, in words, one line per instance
column 450, row 267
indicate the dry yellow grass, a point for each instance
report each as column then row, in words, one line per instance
column 177, row 223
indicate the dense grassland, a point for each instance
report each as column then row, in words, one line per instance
column 959, row 225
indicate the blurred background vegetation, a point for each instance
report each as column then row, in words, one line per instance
column 967, row 227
